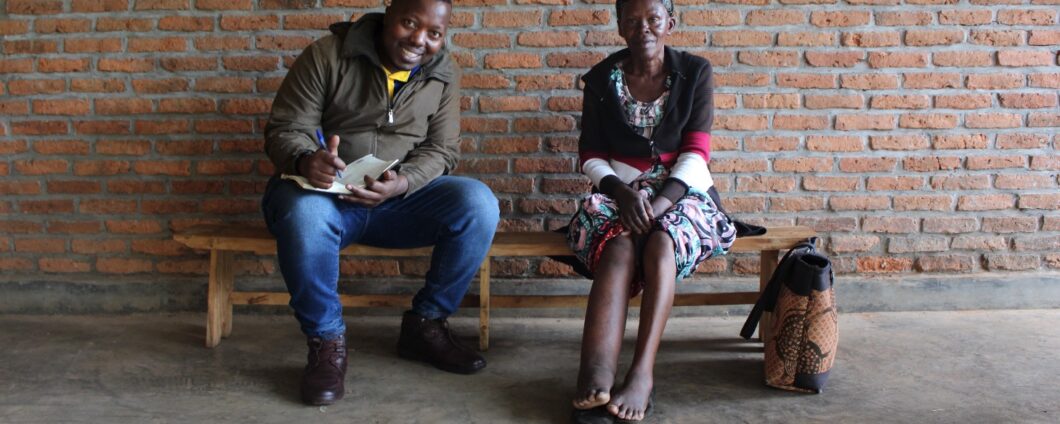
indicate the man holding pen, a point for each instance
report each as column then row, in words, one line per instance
column 385, row 86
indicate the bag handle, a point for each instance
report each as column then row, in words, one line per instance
column 771, row 291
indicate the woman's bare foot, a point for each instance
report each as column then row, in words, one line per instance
column 631, row 401
column 594, row 387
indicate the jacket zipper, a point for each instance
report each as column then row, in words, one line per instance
column 391, row 103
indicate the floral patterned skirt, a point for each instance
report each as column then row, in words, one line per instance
column 699, row 230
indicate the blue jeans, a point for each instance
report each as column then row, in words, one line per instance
column 457, row 215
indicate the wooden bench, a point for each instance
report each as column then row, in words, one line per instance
column 223, row 241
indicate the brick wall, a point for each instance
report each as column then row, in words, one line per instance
column 915, row 135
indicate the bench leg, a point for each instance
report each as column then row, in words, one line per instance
column 484, row 305
column 767, row 263
column 219, row 297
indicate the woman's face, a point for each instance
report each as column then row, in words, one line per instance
column 645, row 24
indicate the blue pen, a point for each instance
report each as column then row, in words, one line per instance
column 324, row 145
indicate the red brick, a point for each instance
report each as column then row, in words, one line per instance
column 917, row 244
column 769, row 58
column 180, row 64
column 223, row 126
column 126, row 65
column 36, row 86
column 933, row 37
column 178, row 168
column 960, row 141
column 904, row 18
column 41, row 166
column 907, row 101
column 839, row 19
column 867, row 164
column 113, row 85
column 985, row 202
column 249, row 22
column 547, row 124
column 872, row 39
column 796, row 203
column 105, row 24
column 963, row 59
column 34, row 7
column 162, row 127
column 894, row 183
column 123, row 147
column 565, row 104
column 898, row 142
column 802, row 164
column 923, row 203
column 13, row 147
column 892, row 225
column 965, row 17
column 798, row 122
column 76, row 187
column 992, row 120
column 815, row 183
column 946, row 263
column 544, row 82
column 714, row 17
column 964, row 101
column 997, row 38
column 11, row 108
column 223, row 4
column 738, row 165
column 1026, row 58
column 12, row 66
column 542, row 165
column 763, row 183
column 949, row 225
column 932, row 80
column 283, row 42
column 573, row 60
column 864, row 122
column 960, row 182
column 483, row 125
column 222, row 43
column 821, row 143
column 1019, row 182
column 61, row 107
column 39, row 127
column 741, row 122
column 1026, row 17
column 224, row 85
column 565, row 185
column 123, row 266
column 852, row 243
column 19, row 187
column 15, row 264
column 133, row 227
column 1046, row 243
column 979, row 243
column 805, row 39
column 62, row 65
column 1043, row 120
column 1006, row 262
column 794, row 81
column 897, row 60
column 741, row 38
column 1044, row 38
column 1039, row 201
column 928, row 120
column 548, row 39
column 575, row 18
column 869, row 81
column 63, row 265
column 14, row 47
column 14, row 27
column 512, row 60
column 771, row 101
column 931, row 163
column 603, row 38
column 230, row 207
column 775, row 17
column 1022, row 141
column 770, row 144
column 1028, row 100
column 884, row 264
column 996, row 162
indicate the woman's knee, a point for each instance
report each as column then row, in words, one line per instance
column 659, row 245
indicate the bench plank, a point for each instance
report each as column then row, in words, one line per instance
column 258, row 240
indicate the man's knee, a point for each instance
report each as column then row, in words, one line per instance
column 300, row 212
column 475, row 200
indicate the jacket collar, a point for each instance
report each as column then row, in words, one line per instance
column 599, row 76
column 359, row 40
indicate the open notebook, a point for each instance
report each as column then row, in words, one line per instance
column 353, row 174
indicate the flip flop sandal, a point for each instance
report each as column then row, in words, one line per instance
column 597, row 415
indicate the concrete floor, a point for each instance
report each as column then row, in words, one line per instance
column 902, row 367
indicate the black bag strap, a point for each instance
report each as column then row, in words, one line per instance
column 768, row 298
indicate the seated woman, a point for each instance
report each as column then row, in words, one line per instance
column 645, row 142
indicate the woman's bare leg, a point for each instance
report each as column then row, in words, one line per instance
column 605, row 323
column 660, row 276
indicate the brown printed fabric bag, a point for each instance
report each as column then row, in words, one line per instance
column 802, row 338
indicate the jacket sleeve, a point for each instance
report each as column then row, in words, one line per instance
column 296, row 110
column 439, row 152
column 593, row 154
column 694, row 151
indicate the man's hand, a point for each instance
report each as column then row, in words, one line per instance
column 634, row 210
column 378, row 191
column 321, row 166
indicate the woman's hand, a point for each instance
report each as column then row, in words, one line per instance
column 659, row 206
column 634, row 210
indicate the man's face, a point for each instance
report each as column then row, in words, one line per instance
column 413, row 31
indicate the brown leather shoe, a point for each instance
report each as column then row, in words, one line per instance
column 430, row 341
column 325, row 374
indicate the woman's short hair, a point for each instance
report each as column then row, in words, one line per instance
column 668, row 4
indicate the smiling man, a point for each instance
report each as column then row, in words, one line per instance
column 383, row 85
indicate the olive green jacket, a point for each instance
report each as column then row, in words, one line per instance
column 337, row 84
